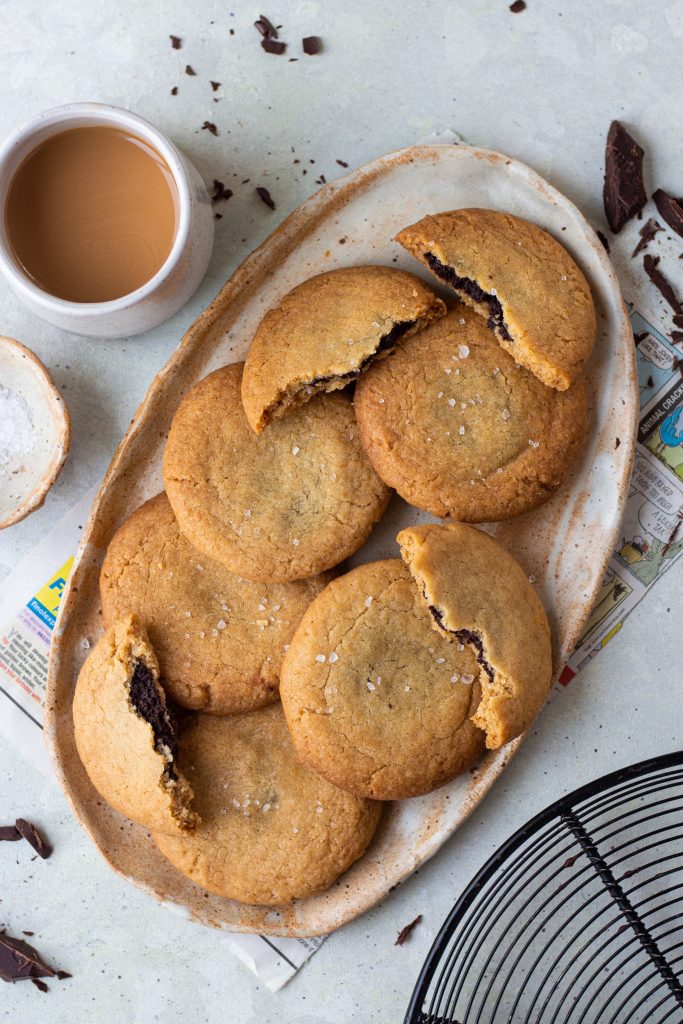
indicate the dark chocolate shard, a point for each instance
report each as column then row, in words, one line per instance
column 312, row 45
column 9, row 834
column 40, row 985
column 624, row 190
column 265, row 27
column 176, row 42
column 517, row 7
column 670, row 210
column 18, row 960
column 678, row 319
column 32, row 836
column 209, row 126
column 220, row 192
column 663, row 286
column 273, row 46
column 496, row 317
column 405, row 932
column 265, row 196
column 648, row 231
column 144, row 696
column 215, row 85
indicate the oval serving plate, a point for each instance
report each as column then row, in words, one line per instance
column 565, row 545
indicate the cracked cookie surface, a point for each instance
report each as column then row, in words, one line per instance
column 375, row 700
column 457, row 428
column 477, row 593
column 282, row 505
column 325, row 332
column 124, row 735
column 272, row 830
column 526, row 285
column 219, row 638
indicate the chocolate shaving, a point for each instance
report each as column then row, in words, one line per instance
column 209, row 126
column 648, row 231
column 265, row 27
column 189, row 70
column 603, row 239
column 623, row 191
column 176, row 42
column 312, row 45
column 663, row 286
column 33, row 837
column 670, row 210
column 215, row 86
column 220, row 192
column 18, row 961
column 342, row 163
column 405, row 932
column 273, row 46
column 9, row 834
column 517, row 7
column 265, row 196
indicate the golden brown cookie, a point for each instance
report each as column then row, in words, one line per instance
column 526, row 285
column 478, row 595
column 460, row 430
column 219, row 638
column 124, row 735
column 272, row 830
column 325, row 333
column 282, row 505
column 375, row 700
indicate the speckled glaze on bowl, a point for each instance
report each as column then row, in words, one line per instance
column 565, row 544
column 26, row 478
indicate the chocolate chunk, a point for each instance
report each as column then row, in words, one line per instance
column 517, row 7
column 18, row 960
column 342, row 163
column 647, row 233
column 273, row 46
column 265, row 27
column 174, row 90
column 665, row 289
column 496, row 318
column 670, row 210
column 40, row 984
column 220, row 192
column 624, row 191
column 215, row 86
column 405, row 932
column 176, row 42
column 189, row 70
column 312, row 45
column 265, row 195
column 9, row 834
column 603, row 239
column 145, row 699
column 209, row 126
column 33, row 837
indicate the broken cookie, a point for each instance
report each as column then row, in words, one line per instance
column 124, row 733
column 477, row 595
column 526, row 285
column 326, row 332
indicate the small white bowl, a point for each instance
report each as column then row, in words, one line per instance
column 172, row 285
column 35, row 432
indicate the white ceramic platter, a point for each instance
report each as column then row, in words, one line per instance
column 564, row 545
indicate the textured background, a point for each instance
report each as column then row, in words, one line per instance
column 542, row 86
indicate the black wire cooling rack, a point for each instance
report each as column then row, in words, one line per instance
column 576, row 919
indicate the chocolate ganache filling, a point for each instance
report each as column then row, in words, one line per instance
column 145, row 699
column 386, row 342
column 496, row 317
column 465, row 636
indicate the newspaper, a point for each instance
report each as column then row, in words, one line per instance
column 651, row 541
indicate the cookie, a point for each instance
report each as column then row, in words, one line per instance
column 526, row 285
column 375, row 700
column 460, row 430
column 124, row 735
column 283, row 505
column 219, row 638
column 478, row 595
column 272, row 830
column 326, row 332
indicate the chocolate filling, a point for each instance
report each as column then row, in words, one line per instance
column 386, row 342
column 496, row 317
column 465, row 636
column 146, row 701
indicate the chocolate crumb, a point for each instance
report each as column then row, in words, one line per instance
column 342, row 163
column 18, row 960
column 265, row 27
column 265, row 196
column 603, row 239
column 218, row 216
column 273, row 46
column 670, row 210
column 209, row 126
column 174, row 90
column 220, row 192
column 405, row 932
column 617, row 443
column 312, row 45
column 650, row 381
column 663, row 286
column 624, row 190
column 176, row 42
column 189, row 70
column 648, row 231
column 33, row 837
column 517, row 7
column 40, row 984
column 342, row 241
column 678, row 319
column 9, row 834
column 215, row 86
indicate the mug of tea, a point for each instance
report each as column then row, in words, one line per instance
column 107, row 227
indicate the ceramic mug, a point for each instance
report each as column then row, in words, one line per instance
column 175, row 281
